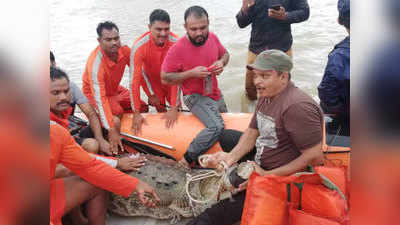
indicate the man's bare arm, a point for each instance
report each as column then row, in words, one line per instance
column 225, row 58
column 246, row 144
column 95, row 126
column 177, row 78
column 94, row 122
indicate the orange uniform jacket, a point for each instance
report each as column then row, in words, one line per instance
column 101, row 80
column 146, row 60
column 64, row 150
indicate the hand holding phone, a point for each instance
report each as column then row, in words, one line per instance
column 277, row 12
column 275, row 7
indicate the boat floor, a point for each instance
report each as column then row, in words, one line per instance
column 119, row 220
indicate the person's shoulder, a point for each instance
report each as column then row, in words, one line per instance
column 57, row 132
column 297, row 96
column 72, row 85
column 341, row 49
column 180, row 44
column 125, row 50
column 94, row 53
column 212, row 35
column 142, row 39
column 173, row 37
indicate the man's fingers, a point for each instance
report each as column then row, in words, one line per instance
column 155, row 196
column 107, row 152
column 121, row 146
column 114, row 148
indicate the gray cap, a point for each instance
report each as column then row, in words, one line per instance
column 272, row 60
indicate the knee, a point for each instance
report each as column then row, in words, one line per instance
column 91, row 145
column 217, row 129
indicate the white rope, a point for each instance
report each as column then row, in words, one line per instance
column 203, row 161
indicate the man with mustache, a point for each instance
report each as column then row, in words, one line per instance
column 60, row 109
column 284, row 136
column 148, row 53
column 194, row 62
column 104, row 70
column 93, row 177
column 93, row 143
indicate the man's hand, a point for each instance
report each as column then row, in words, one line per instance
column 257, row 168
column 246, row 4
column 129, row 164
column 216, row 158
column 217, row 67
column 137, row 121
column 105, row 147
column 199, row 72
column 115, row 140
column 154, row 101
column 241, row 187
column 277, row 14
column 171, row 117
column 146, row 194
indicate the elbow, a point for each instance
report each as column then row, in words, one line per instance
column 164, row 80
column 240, row 22
column 306, row 14
column 241, row 25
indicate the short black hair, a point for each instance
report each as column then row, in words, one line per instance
column 196, row 10
column 52, row 58
column 159, row 15
column 57, row 73
column 108, row 25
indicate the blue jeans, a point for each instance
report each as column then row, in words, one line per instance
column 207, row 111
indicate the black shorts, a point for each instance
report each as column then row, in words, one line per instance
column 86, row 132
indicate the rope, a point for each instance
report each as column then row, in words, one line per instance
column 203, row 161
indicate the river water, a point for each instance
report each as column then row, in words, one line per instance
column 73, row 36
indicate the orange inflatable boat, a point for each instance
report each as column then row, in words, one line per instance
column 155, row 138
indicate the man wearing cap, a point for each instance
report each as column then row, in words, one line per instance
column 270, row 29
column 334, row 89
column 284, row 134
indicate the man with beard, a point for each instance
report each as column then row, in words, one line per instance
column 104, row 70
column 194, row 62
column 148, row 53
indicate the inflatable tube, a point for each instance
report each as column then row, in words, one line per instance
column 175, row 141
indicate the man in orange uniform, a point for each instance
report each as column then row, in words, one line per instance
column 148, row 53
column 67, row 193
column 104, row 70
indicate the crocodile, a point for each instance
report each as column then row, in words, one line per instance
column 169, row 180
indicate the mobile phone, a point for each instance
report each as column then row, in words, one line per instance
column 275, row 7
column 211, row 68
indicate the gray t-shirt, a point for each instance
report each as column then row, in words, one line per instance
column 77, row 96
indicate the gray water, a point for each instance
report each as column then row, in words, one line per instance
column 73, row 36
